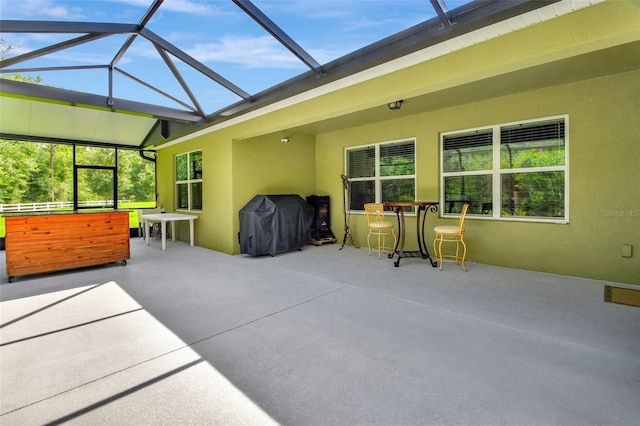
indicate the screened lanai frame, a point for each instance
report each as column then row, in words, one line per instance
column 149, row 125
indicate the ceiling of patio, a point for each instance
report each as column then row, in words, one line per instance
column 140, row 82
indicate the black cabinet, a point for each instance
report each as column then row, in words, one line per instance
column 321, row 224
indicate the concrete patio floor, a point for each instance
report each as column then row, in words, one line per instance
column 312, row 337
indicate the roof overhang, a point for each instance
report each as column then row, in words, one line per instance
column 35, row 112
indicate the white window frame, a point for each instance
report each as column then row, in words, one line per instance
column 496, row 172
column 377, row 178
column 189, row 181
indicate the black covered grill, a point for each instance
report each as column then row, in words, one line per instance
column 271, row 224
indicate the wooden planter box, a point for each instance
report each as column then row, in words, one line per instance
column 53, row 242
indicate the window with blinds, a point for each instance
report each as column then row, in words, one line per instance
column 515, row 170
column 381, row 172
column 467, row 163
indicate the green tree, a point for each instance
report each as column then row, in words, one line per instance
column 21, row 163
column 41, row 172
column 18, row 165
column 62, row 172
column 5, row 51
column 136, row 177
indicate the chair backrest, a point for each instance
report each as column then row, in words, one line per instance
column 375, row 212
column 462, row 216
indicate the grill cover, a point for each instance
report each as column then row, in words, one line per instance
column 271, row 224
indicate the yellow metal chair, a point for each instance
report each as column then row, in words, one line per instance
column 378, row 226
column 451, row 234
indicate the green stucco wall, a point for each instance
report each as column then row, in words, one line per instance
column 214, row 223
column 604, row 175
column 233, row 172
column 264, row 165
column 584, row 64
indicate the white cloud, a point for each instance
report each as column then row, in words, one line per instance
column 257, row 52
column 183, row 6
column 82, row 58
column 25, row 43
column 46, row 8
column 187, row 6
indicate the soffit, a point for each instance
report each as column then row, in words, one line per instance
column 618, row 59
column 429, row 80
column 65, row 124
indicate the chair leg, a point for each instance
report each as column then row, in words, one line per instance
column 459, row 258
column 384, row 247
column 464, row 254
column 369, row 243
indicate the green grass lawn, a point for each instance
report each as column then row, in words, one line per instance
column 133, row 214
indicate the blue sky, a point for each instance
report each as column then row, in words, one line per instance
column 215, row 32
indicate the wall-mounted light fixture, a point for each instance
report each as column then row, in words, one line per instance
column 395, row 105
column 284, row 140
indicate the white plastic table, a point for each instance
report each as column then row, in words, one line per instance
column 163, row 218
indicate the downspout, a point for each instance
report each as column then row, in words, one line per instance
column 155, row 170
column 141, row 152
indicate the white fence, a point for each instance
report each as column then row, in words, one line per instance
column 35, row 207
